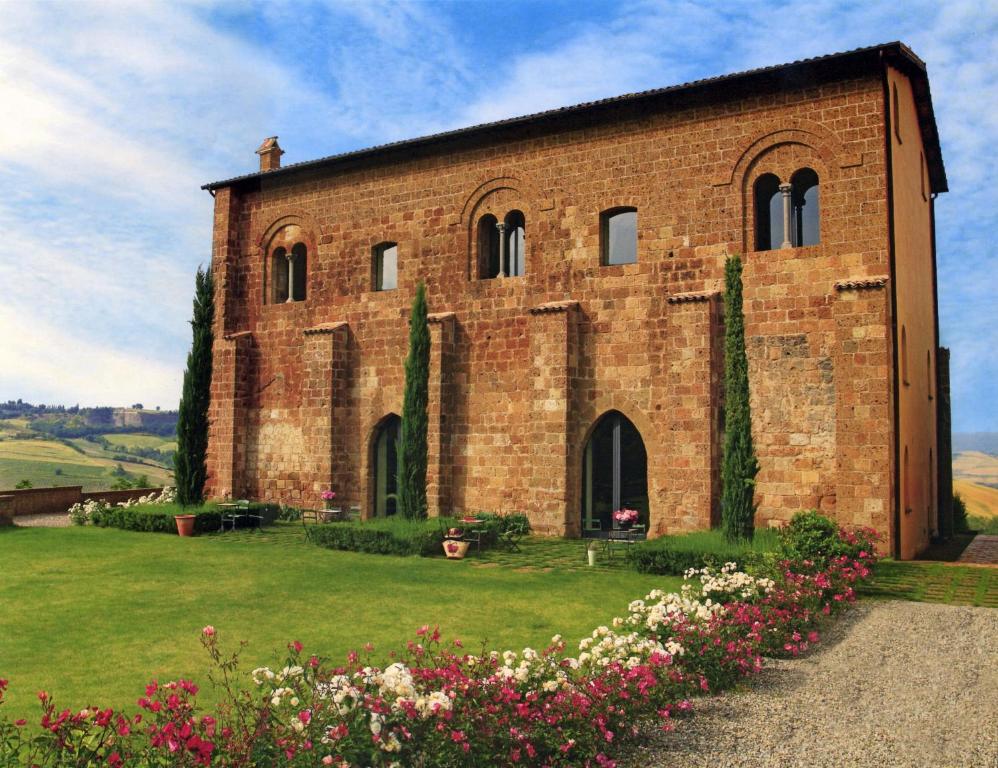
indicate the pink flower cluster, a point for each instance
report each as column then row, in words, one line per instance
column 434, row 705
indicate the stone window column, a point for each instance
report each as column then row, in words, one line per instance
column 291, row 276
column 503, row 271
column 785, row 190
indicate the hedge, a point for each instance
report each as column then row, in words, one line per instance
column 387, row 536
column 158, row 518
column 674, row 555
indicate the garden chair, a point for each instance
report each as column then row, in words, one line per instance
column 232, row 512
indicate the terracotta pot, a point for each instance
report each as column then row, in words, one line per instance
column 456, row 550
column 185, row 524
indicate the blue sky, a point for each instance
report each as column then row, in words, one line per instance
column 115, row 114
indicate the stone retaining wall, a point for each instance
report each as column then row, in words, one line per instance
column 34, row 501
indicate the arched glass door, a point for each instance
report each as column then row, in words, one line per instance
column 386, row 467
column 614, row 473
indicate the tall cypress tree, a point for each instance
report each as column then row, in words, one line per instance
column 738, row 464
column 189, row 467
column 415, row 420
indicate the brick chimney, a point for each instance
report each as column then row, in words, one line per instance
column 270, row 154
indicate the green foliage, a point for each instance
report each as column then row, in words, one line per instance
column 960, row 522
column 987, row 525
column 812, row 537
column 125, row 482
column 495, row 525
column 415, row 419
column 23, row 485
column 738, row 465
column 157, row 518
column 673, row 555
column 192, row 423
column 386, row 536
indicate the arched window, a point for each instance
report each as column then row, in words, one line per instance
column 619, row 236
column 804, row 215
column 768, row 213
column 385, row 466
column 384, row 266
column 904, row 356
column 488, row 247
column 298, row 266
column 614, row 473
column 515, row 232
column 279, row 268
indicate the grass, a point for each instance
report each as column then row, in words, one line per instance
column 91, row 614
column 932, row 582
column 129, row 440
column 676, row 554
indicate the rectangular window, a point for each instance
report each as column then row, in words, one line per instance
column 386, row 258
column 619, row 236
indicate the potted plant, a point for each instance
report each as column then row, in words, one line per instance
column 455, row 547
column 328, row 497
column 625, row 518
column 185, row 524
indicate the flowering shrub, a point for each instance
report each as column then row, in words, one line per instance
column 436, row 706
column 91, row 511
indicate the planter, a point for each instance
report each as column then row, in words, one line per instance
column 591, row 554
column 185, row 524
column 455, row 550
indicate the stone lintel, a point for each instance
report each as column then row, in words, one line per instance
column 237, row 335
column 325, row 328
column 684, row 298
column 439, row 317
column 866, row 283
column 554, row 306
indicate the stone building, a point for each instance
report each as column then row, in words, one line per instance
column 574, row 262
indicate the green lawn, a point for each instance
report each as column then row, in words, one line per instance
column 935, row 582
column 91, row 614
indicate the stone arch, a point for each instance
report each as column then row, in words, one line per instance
column 830, row 149
column 286, row 231
column 498, row 196
column 614, row 471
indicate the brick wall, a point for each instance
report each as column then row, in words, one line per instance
column 515, row 388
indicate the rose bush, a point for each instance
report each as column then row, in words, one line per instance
column 436, row 706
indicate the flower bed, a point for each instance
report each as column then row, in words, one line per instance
column 435, row 705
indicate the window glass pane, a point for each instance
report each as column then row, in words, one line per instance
column 299, row 269
column 386, row 268
column 804, row 199
column 515, row 243
column 768, row 213
column 279, row 276
column 488, row 247
column 622, row 238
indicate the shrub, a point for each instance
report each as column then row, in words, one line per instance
column 674, row 555
column 385, row 536
column 158, row 517
column 961, row 524
column 495, row 525
column 811, row 537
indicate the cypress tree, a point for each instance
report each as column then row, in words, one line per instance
column 415, row 420
column 189, row 467
column 738, row 464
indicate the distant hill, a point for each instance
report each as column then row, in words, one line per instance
column 983, row 442
column 74, row 421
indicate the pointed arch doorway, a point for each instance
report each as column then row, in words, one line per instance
column 614, row 473
column 385, row 466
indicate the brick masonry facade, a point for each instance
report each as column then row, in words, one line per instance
column 522, row 368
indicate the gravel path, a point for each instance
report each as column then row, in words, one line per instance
column 893, row 684
column 45, row 520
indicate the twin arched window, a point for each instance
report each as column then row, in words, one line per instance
column 287, row 274
column 502, row 246
column 787, row 215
